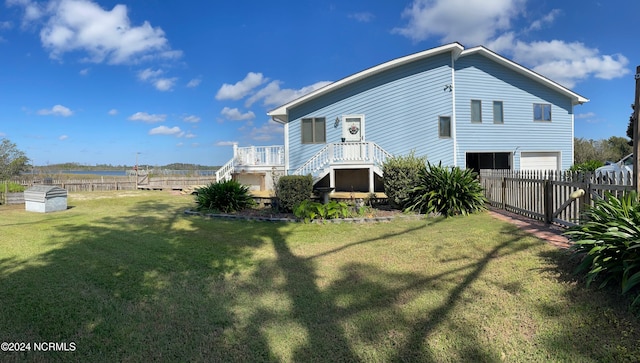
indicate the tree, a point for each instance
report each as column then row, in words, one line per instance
column 611, row 149
column 12, row 160
column 630, row 126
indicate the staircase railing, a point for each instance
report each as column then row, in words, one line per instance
column 225, row 171
column 343, row 153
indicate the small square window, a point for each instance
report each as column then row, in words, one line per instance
column 314, row 130
column 476, row 111
column 541, row 112
column 498, row 112
column 444, row 126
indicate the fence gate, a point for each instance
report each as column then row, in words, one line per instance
column 558, row 197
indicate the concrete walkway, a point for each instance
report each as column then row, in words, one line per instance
column 551, row 234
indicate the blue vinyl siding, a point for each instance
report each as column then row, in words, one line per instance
column 401, row 108
column 479, row 78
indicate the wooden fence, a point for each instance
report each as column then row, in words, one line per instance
column 113, row 183
column 550, row 196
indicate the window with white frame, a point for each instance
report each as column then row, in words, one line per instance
column 444, row 126
column 476, row 111
column 498, row 112
column 541, row 112
column 314, row 130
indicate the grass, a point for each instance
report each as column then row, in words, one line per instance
column 128, row 277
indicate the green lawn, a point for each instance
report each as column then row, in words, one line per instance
column 131, row 278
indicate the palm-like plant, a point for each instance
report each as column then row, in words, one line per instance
column 447, row 191
column 609, row 242
column 227, row 196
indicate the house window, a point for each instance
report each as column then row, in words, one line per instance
column 444, row 126
column 498, row 114
column 541, row 112
column 476, row 111
column 314, row 130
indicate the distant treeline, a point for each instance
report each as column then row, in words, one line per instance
column 96, row 167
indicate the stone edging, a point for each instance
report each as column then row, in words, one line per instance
column 293, row 220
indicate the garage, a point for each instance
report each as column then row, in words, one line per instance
column 548, row 160
column 496, row 160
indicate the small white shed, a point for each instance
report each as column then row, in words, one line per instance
column 45, row 199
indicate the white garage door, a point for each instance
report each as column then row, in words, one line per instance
column 539, row 161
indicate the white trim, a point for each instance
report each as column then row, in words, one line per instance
column 512, row 155
column 573, row 137
column 281, row 114
column 454, row 131
column 286, row 148
column 576, row 98
column 362, row 126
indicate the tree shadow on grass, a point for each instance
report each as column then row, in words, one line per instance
column 364, row 307
column 594, row 324
column 152, row 284
column 146, row 285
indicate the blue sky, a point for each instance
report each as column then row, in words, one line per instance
column 97, row 82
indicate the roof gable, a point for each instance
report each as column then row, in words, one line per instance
column 575, row 98
column 281, row 113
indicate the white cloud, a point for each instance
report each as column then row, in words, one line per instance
column 363, row 17
column 165, row 84
column 190, row 135
column 273, row 95
column 191, row 119
column 490, row 23
column 164, row 130
column 2, row 134
column 226, row 143
column 567, row 63
column 241, row 88
column 57, row 110
column 471, row 22
column 585, row 115
column 149, row 74
column 194, row 83
column 547, row 19
column 84, row 72
column 180, row 144
column 148, row 118
column 267, row 132
column 104, row 35
column 154, row 77
column 63, row 137
column 5, row 25
column 235, row 114
column 32, row 10
column 113, row 112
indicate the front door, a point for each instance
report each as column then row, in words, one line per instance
column 353, row 135
column 352, row 128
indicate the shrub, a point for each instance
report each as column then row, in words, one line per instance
column 590, row 165
column 448, row 191
column 609, row 242
column 308, row 210
column 401, row 175
column 227, row 196
column 12, row 187
column 292, row 190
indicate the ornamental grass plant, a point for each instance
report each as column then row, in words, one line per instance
column 608, row 243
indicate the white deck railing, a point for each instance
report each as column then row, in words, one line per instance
column 251, row 156
column 259, row 155
column 343, row 153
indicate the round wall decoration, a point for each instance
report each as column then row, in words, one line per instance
column 353, row 129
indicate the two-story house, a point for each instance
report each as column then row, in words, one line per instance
column 470, row 108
